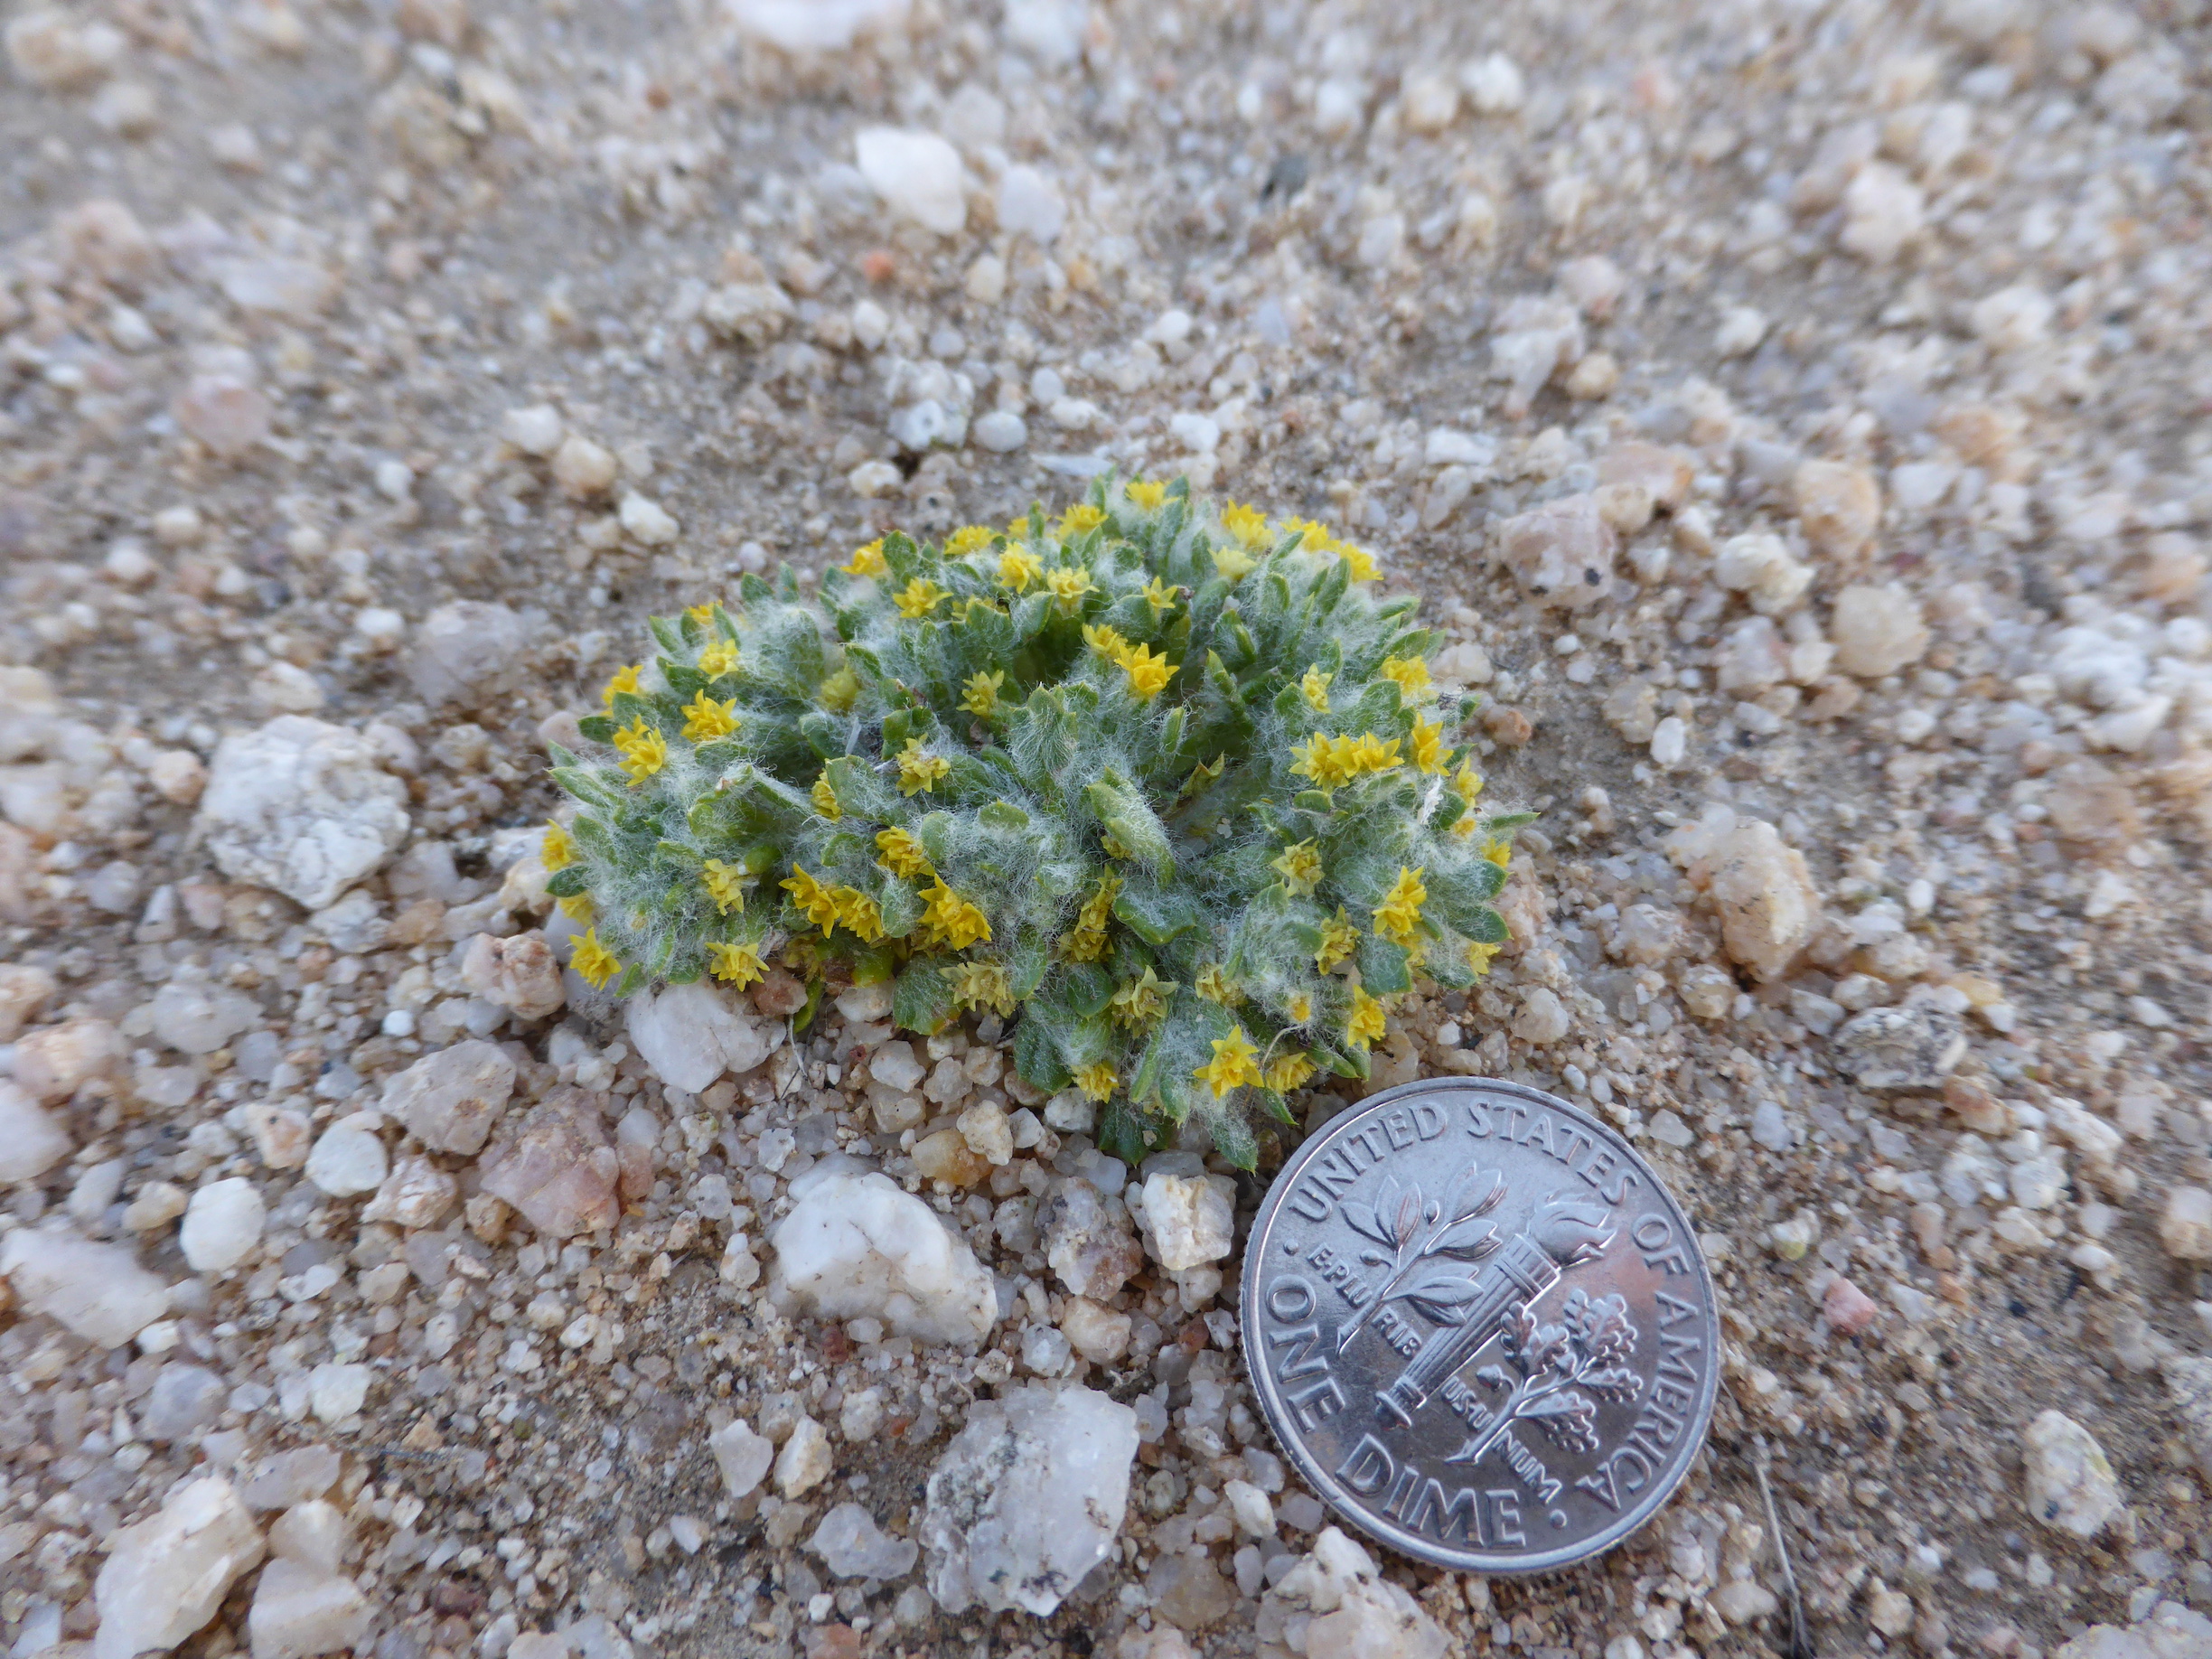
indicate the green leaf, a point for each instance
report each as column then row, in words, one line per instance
column 1156, row 916
column 1234, row 1140
column 1383, row 966
column 805, row 1015
column 1121, row 807
column 666, row 634
column 1125, row 1133
column 824, row 733
column 1028, row 962
column 1489, row 928
column 1004, row 815
column 1083, row 988
column 566, row 884
column 922, row 1000
column 1037, row 1057
column 1456, row 894
column 598, row 727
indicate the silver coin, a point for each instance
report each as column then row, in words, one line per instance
column 1480, row 1326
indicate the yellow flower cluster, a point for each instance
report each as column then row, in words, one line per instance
column 1233, row 1065
column 594, row 960
column 1339, row 939
column 1333, row 762
column 625, row 680
column 979, row 696
column 818, row 903
column 725, row 883
column 968, row 539
column 920, row 769
column 898, row 852
column 983, row 985
column 1140, row 1005
column 1080, row 520
column 1160, row 597
column 825, row 798
column 1410, row 675
column 1367, row 1023
column 1428, row 744
column 867, row 561
column 918, row 598
column 706, row 719
column 1300, row 868
column 1215, row 986
column 1086, row 940
column 718, row 658
column 1398, row 918
column 1249, row 525
column 1289, row 1072
column 739, row 965
column 1018, row 569
column 1148, row 672
column 558, row 851
column 1068, row 583
column 644, row 751
column 959, row 921
column 1149, row 496
column 1313, row 688
column 1097, row 1078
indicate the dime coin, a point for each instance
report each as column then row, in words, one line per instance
column 1480, row 1326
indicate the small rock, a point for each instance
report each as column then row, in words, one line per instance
column 196, row 1017
column 1027, row 1498
column 1189, row 1591
column 743, row 1457
column 337, row 1391
column 1847, row 1307
column 814, row 25
column 856, row 1246
column 221, row 1225
column 1561, row 552
column 298, row 1612
column 584, row 469
column 918, row 175
column 2071, row 1487
column 1099, row 1333
column 557, row 1170
column 805, row 1461
column 183, row 1401
column 1543, row 1018
column 348, row 1156
column 692, row 1033
column 1760, row 566
column 1889, row 1611
column 302, row 807
column 165, row 1576
column 987, row 1133
column 32, row 1141
column 2168, row 1631
column 1087, row 1243
column 1029, row 206
column 228, row 415
column 97, row 1291
column 416, row 1193
column 450, row 1100
column 646, row 522
column 1187, row 1220
column 1768, row 907
column 313, row 1534
column 1838, row 507
column 51, row 1064
column 1877, row 631
column 534, row 431
column 2188, row 1384
column 1914, row 1047
column 2185, row 1225
column 852, row 1546
column 1741, row 1600
column 1000, row 431
column 465, row 649
column 1882, row 211
column 1347, row 1608
column 25, row 990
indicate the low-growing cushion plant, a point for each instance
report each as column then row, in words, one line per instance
column 1163, row 783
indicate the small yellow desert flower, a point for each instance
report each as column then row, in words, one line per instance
column 1249, row 525
column 1018, row 569
column 1412, row 676
column 1289, row 1072
column 968, row 539
column 737, row 964
column 979, row 696
column 983, row 986
column 920, row 769
column 625, row 680
column 725, row 883
column 1138, row 1005
column 1096, row 1079
column 1398, row 918
column 868, row 562
column 1149, row 495
column 1148, row 674
column 1479, row 955
column 644, row 751
column 859, row 914
column 1339, row 939
column 706, row 719
column 1364, row 567
column 1160, row 597
column 1068, row 583
column 816, row 903
column 1367, row 1023
column 1427, row 745
column 1313, row 688
column 1299, row 865
column 825, row 798
column 594, row 960
column 918, row 598
column 1079, row 519
column 718, row 658
column 901, row 854
column 556, row 851
column 1231, row 1067
column 962, row 923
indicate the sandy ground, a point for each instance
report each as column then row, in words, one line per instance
column 1917, row 294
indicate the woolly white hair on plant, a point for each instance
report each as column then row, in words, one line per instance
column 1162, row 779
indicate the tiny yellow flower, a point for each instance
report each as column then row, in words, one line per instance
column 718, row 658
column 1068, row 583
column 1364, row 567
column 700, row 613
column 1149, row 495
column 1427, row 745
column 644, row 751
column 1367, row 1023
column 737, row 964
column 1312, row 537
column 1096, row 1079
column 1160, row 597
column 825, row 798
column 901, row 854
column 979, row 696
column 1232, row 1066
column 918, row 598
column 816, row 903
column 968, row 539
column 1249, row 525
column 725, row 883
column 578, row 908
column 867, row 561
column 1479, row 955
column 1313, row 688
column 1398, row 918
column 1331, row 761
column 1105, row 641
column 625, row 680
column 1140, row 1005
column 556, row 851
column 1499, row 852
column 1299, row 1008
column 983, row 985
column 706, row 719
column 1086, row 940
column 961, row 921
column 1215, row 986
column 920, row 769
column 1233, row 563
column 1079, row 519
column 1466, row 783
column 594, row 960
column 1300, row 868
column 859, row 914
column 838, row 690
column 1018, row 569
column 1339, row 939
column 1148, row 674
column 1411, row 675
column 1289, row 1072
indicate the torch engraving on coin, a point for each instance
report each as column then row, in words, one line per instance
column 1480, row 1327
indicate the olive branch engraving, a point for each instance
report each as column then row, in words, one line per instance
column 1557, row 1362
column 1414, row 1232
